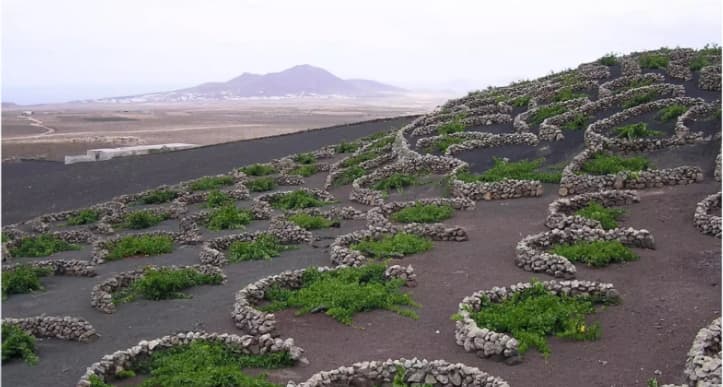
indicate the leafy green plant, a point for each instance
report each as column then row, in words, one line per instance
column 343, row 293
column 96, row 381
column 653, row 61
column 142, row 219
column 637, row 130
column 163, row 284
column 545, row 112
column 671, row 112
column 535, row 313
column 638, row 99
column 636, row 83
column 83, row 217
column 393, row 246
column 441, row 144
column 577, row 122
column 453, row 126
column 258, row 170
column 521, row 101
column 305, row 158
column 41, row 246
column 423, row 213
column 158, row 196
column 397, row 181
column 604, row 164
column 18, row 344
column 609, row 59
column 296, row 200
column 133, row 245
column 125, row 374
column 399, row 377
column 348, row 175
column 518, row 170
column 210, row 182
column 566, row 94
column 652, row 382
column 360, row 158
column 595, row 253
column 261, row 184
column 305, row 170
column 698, row 62
column 607, row 217
column 312, row 222
column 346, row 147
column 217, row 199
column 22, row 279
column 229, row 217
column 265, row 246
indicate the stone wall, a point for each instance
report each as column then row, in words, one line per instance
column 521, row 125
column 620, row 84
column 706, row 221
column 474, row 140
column 69, row 236
column 101, row 247
column 57, row 327
column 717, row 172
column 505, row 189
column 703, row 365
column 710, row 78
column 561, row 212
column 70, row 267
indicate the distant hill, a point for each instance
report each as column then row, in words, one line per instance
column 298, row 81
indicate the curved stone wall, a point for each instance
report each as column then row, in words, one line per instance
column 703, row 365
column 101, row 246
column 710, row 78
column 562, row 211
column 57, row 327
column 70, row 267
column 706, row 222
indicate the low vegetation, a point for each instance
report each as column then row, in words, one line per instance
column 441, row 144
column 22, row 279
column 348, row 175
column 423, row 213
column 217, row 199
column 604, row 164
column 134, row 245
column 86, row 216
column 347, row 147
column 229, row 217
column 305, row 170
column 360, row 158
column 577, row 122
column 507, row 170
column 453, row 126
column 636, row 83
column 609, row 59
column 312, row 222
column 305, row 158
column 381, row 143
column 18, row 344
column 211, row 182
column 702, row 57
column 595, row 253
column 258, row 170
column 653, row 61
column 296, row 200
column 545, row 112
column 535, row 313
column 265, row 246
column 164, row 283
column 608, row 217
column 41, row 246
column 158, row 196
column 393, row 246
column 343, row 293
column 638, row 99
column 261, row 184
column 566, row 94
column 671, row 112
column 142, row 219
column 637, row 130
column 397, row 181
column 521, row 101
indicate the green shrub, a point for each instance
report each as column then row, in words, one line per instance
column 207, row 364
column 607, row 217
column 566, row 94
column 125, row 374
column 158, row 196
column 22, row 279
column 261, row 184
column 258, row 170
column 640, row 82
column 595, row 253
column 304, row 170
column 265, row 246
column 312, row 222
column 393, row 246
column 608, row 60
column 604, row 164
column 211, row 182
column 228, row 217
column 518, row 170
column 348, row 175
column 163, row 284
column 133, row 245
column 521, row 101
column 545, row 112
column 441, row 144
column 535, row 313
column 360, row 158
column 142, row 219
column 41, row 246
column 305, row 158
column 343, row 293
column 577, row 122
column 381, row 143
column 397, row 181
column 453, row 126
column 83, row 217
column 637, row 130
column 18, row 344
column 698, row 62
column 346, row 147
column 638, row 99
column 296, row 200
column 217, row 199
column 653, row 61
column 96, row 381
column 423, row 213
column 671, row 112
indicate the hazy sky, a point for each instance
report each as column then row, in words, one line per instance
column 60, row 50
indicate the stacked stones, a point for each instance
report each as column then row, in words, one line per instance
column 716, row 172
column 319, row 194
column 695, row 111
column 474, row 140
column 70, row 267
column 617, row 85
column 415, row 372
column 489, row 344
column 110, row 365
column 41, row 224
column 707, row 217
column 630, row 66
column 69, row 236
column 505, row 189
column 101, row 297
column 101, row 246
column 561, row 211
column 63, row 328
column 703, row 365
column 520, row 123
column 710, row 78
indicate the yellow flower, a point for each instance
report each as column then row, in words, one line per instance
column 582, row 328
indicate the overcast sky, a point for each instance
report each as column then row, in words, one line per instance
column 60, row 50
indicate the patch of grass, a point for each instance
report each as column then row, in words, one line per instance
column 210, row 182
column 258, row 170
column 609, row 59
column 346, row 147
column 305, row 170
column 360, row 158
column 595, row 253
column 83, row 217
column 397, row 181
column 18, row 344
column 698, row 62
column 671, row 112
column 382, row 142
column 305, row 158
column 23, row 279
column 265, row 246
column 441, row 144
column 535, row 313
column 423, row 213
column 163, row 284
column 545, row 112
column 603, row 164
column 577, row 122
column 521, row 101
column 217, row 199
column 142, row 219
column 638, row 99
column 343, row 293
column 453, row 126
column 229, row 217
column 312, row 222
column 348, row 175
column 261, row 184
column 133, row 245
column 158, row 196
column 96, row 381
column 41, row 246
column 205, row 364
column 393, row 246
column 566, row 94
column 518, row 170
column 637, row 130
column 296, row 200
column 653, row 61
column 608, row 217
column 641, row 82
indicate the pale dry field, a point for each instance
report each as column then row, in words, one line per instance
column 53, row 131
